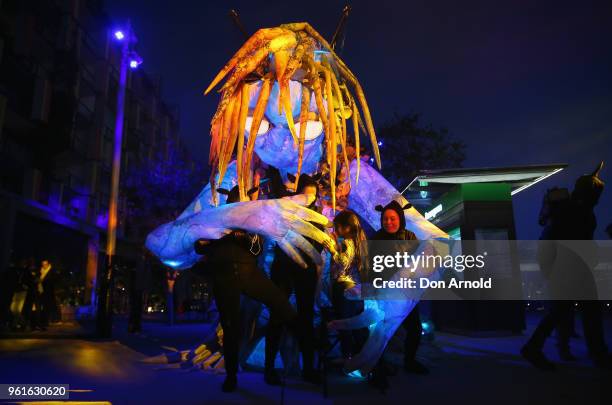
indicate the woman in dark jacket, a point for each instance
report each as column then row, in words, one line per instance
column 393, row 227
column 289, row 277
column 233, row 260
column 48, row 278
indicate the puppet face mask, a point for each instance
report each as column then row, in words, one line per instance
column 274, row 144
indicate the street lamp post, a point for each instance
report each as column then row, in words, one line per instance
column 129, row 59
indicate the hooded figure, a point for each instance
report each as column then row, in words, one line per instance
column 568, row 267
column 401, row 233
column 393, row 227
column 586, row 194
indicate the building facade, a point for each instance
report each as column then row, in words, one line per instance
column 59, row 73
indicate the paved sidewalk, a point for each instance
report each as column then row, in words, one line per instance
column 463, row 370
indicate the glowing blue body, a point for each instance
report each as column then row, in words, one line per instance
column 173, row 242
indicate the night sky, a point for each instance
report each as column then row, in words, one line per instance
column 520, row 82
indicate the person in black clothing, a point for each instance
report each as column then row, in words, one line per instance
column 393, row 227
column 32, row 306
column 570, row 219
column 346, row 273
column 233, row 260
column 553, row 205
column 46, row 288
column 9, row 285
column 289, row 276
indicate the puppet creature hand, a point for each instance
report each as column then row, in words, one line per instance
column 330, row 245
column 286, row 221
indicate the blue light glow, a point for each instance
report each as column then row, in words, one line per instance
column 427, row 327
column 356, row 374
column 172, row 263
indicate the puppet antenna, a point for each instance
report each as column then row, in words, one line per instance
column 236, row 19
column 341, row 24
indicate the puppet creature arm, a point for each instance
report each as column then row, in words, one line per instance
column 286, row 221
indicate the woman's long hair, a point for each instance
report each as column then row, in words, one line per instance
column 348, row 218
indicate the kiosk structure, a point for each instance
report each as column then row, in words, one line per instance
column 476, row 205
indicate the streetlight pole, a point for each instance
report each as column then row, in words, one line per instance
column 104, row 315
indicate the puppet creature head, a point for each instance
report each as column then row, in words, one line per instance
column 287, row 98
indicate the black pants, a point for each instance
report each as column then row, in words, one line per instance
column 565, row 330
column 351, row 341
column 560, row 313
column 289, row 277
column 35, row 319
column 230, row 281
column 414, row 330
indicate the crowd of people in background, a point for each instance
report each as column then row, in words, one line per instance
column 28, row 296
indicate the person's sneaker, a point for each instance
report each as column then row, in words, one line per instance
column 230, row 383
column 271, row 377
column 537, row 359
column 312, row 377
column 566, row 355
column 415, row 367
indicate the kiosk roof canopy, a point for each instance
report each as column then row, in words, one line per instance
column 436, row 182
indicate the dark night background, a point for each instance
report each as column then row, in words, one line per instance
column 520, row 82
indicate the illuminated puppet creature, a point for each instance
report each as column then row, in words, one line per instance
column 286, row 104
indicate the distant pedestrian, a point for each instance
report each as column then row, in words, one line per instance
column 46, row 289
column 9, row 281
column 31, row 307
column 572, row 219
